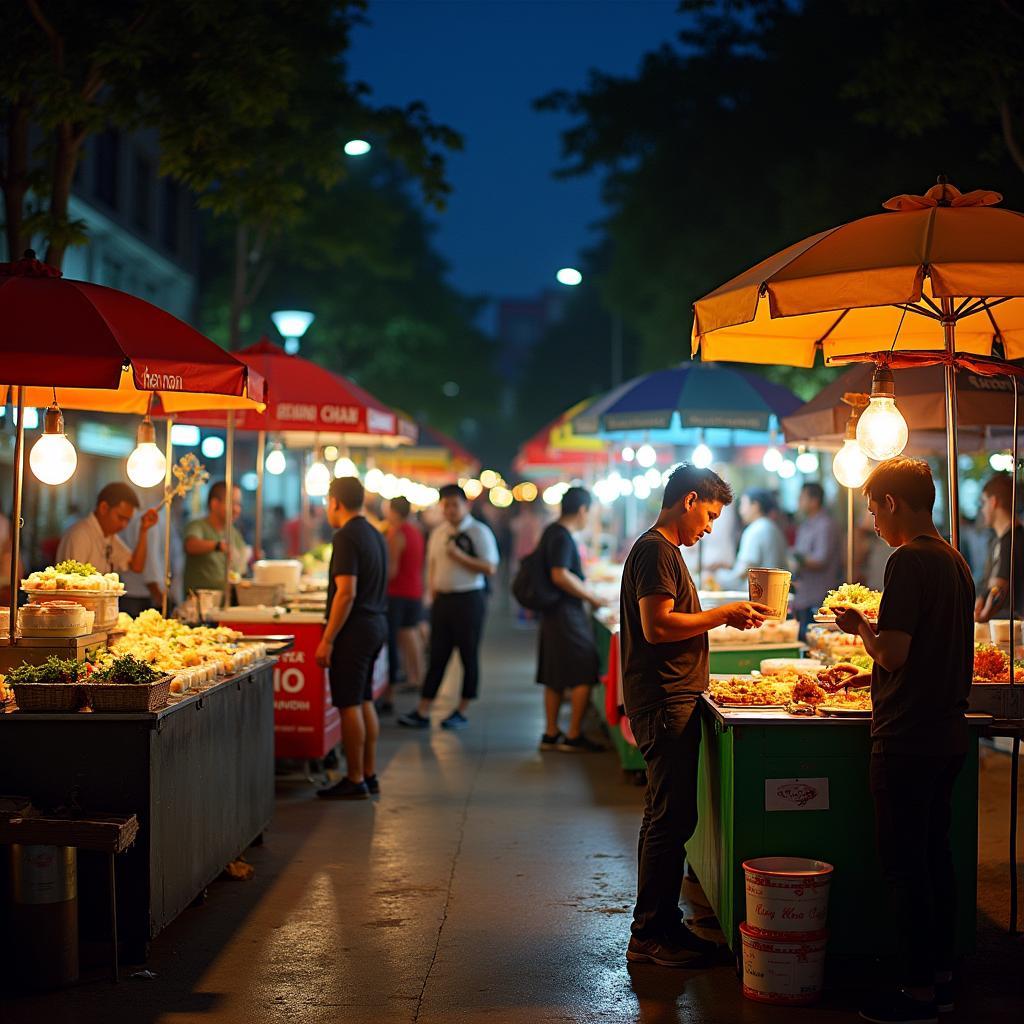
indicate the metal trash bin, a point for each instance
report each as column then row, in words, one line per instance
column 44, row 912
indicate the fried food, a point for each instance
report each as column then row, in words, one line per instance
column 807, row 691
column 750, row 692
column 852, row 595
column 849, row 700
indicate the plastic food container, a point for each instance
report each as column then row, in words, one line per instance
column 999, row 630
column 103, row 604
column 56, row 619
column 286, row 571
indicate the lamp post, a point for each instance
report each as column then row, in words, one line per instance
column 292, row 324
column 570, row 277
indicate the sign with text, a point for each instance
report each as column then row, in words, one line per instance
column 796, row 795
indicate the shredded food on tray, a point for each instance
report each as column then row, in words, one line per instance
column 750, row 692
column 852, row 595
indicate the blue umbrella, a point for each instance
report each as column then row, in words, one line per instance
column 688, row 403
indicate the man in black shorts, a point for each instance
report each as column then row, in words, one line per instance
column 356, row 630
column 923, row 653
column 664, row 637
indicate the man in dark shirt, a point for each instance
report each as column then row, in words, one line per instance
column 664, row 635
column 996, row 511
column 923, row 651
column 356, row 630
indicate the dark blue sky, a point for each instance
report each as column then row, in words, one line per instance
column 478, row 65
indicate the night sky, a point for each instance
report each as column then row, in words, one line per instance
column 478, row 65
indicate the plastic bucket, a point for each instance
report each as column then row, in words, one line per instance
column 787, row 896
column 784, row 971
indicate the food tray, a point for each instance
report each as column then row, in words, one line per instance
column 834, row 712
column 748, row 707
column 47, row 696
column 128, row 696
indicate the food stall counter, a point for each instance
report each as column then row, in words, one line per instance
column 775, row 784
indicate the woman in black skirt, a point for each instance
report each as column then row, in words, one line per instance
column 567, row 658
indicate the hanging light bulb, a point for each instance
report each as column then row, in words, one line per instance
column 787, row 469
column 53, row 457
column 276, row 461
column 772, row 459
column 147, row 465
column 882, row 430
column 807, row 463
column 702, row 456
column 851, row 466
column 628, row 454
column 345, row 467
column 646, row 456
column 318, row 479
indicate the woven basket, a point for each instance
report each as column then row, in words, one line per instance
column 47, row 696
column 128, row 696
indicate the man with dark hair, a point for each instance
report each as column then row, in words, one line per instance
column 996, row 511
column 816, row 555
column 461, row 554
column 762, row 544
column 923, row 651
column 664, row 637
column 355, row 632
column 206, row 550
column 93, row 540
column 567, row 654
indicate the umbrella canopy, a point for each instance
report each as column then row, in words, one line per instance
column 103, row 349
column 557, row 448
column 435, row 458
column 984, row 402
column 943, row 256
column 685, row 400
column 305, row 399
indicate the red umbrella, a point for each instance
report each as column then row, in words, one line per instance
column 65, row 334
column 308, row 399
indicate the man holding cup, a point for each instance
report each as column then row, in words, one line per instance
column 664, row 636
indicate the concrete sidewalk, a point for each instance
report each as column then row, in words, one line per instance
column 488, row 882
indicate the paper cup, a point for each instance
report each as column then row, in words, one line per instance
column 770, row 587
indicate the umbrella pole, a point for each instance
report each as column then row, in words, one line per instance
column 167, row 519
column 17, row 482
column 261, row 451
column 229, row 498
column 949, row 333
column 849, row 534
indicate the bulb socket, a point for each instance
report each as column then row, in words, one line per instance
column 882, row 383
column 53, row 420
column 147, row 432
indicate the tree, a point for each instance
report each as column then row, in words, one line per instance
column 737, row 140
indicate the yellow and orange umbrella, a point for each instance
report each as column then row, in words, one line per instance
column 939, row 278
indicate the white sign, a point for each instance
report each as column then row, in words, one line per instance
column 796, row 795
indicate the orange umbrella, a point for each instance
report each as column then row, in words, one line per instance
column 937, row 279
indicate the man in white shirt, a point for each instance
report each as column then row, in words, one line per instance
column 145, row 589
column 461, row 554
column 94, row 539
column 762, row 546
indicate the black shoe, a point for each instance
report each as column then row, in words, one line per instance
column 551, row 742
column 414, row 720
column 385, row 707
column 345, row 790
column 682, row 936
column 580, row 745
column 372, row 784
column 944, row 993
column 456, row 720
column 897, row 1007
column 661, row 953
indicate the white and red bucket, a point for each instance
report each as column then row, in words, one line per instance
column 784, row 936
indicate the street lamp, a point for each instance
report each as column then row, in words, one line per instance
column 292, row 324
column 569, row 276
column 357, row 147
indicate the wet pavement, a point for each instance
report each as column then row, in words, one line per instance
column 488, row 882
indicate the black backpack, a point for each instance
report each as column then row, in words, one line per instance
column 532, row 587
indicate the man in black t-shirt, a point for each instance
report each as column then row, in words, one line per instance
column 996, row 511
column 356, row 630
column 923, row 653
column 664, row 636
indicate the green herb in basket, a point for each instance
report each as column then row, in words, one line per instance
column 73, row 568
column 53, row 670
column 126, row 668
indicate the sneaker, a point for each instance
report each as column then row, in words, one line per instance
column 414, row 720
column 898, row 1008
column 650, row 951
column 580, row 745
column 372, row 784
column 944, row 992
column 551, row 742
column 345, row 790
column 456, row 720
column 682, row 936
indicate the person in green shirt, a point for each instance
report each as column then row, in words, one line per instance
column 205, row 547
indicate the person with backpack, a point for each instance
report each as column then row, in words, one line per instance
column 567, row 657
